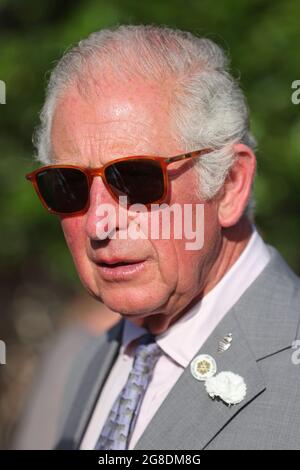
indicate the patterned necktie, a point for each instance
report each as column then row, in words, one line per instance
column 121, row 420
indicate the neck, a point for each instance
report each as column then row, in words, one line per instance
column 233, row 242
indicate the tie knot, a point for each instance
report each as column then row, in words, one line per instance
column 146, row 354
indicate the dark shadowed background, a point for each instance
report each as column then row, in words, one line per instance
column 39, row 287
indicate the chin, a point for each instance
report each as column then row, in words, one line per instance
column 132, row 303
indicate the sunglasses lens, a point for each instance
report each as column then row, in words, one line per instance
column 141, row 180
column 64, row 190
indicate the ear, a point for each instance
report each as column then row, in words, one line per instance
column 237, row 187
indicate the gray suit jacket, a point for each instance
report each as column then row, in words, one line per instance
column 264, row 323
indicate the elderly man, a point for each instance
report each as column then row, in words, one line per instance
column 203, row 356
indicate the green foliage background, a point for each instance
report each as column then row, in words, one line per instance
column 262, row 38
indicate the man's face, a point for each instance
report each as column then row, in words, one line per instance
column 119, row 120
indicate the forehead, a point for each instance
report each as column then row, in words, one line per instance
column 112, row 120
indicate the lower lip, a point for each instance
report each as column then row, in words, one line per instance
column 121, row 273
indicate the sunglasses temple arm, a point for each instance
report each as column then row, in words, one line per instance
column 184, row 156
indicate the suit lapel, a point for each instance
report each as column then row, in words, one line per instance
column 189, row 418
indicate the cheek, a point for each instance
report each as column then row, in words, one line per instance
column 188, row 267
column 167, row 261
column 192, row 264
column 74, row 234
column 177, row 266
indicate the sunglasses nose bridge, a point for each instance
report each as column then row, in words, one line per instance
column 96, row 172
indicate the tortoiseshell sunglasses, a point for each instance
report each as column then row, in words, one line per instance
column 65, row 189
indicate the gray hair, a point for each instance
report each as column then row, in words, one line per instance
column 208, row 106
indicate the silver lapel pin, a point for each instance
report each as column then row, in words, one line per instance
column 225, row 343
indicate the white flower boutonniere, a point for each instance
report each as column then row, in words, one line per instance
column 230, row 387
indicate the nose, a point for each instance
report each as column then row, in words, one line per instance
column 104, row 215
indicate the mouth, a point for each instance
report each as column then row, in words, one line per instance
column 117, row 264
column 120, row 270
